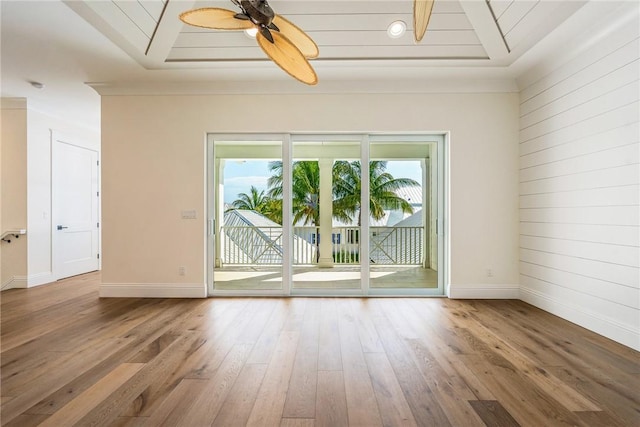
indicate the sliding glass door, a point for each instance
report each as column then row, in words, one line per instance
column 325, row 199
column 403, row 237
column 325, row 214
column 245, row 216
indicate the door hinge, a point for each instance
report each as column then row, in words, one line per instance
column 98, row 193
column 98, row 162
column 98, row 256
column 97, row 225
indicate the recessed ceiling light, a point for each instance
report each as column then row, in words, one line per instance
column 251, row 32
column 396, row 29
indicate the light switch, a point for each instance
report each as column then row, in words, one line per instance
column 189, row 214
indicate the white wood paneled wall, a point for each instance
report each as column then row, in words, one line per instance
column 579, row 187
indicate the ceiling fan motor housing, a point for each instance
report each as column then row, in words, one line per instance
column 259, row 11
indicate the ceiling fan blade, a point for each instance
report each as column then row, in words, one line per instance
column 298, row 37
column 288, row 57
column 215, row 18
column 421, row 15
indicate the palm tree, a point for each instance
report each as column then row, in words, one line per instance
column 346, row 180
column 383, row 190
column 254, row 201
column 272, row 209
column 346, row 190
column 305, row 190
column 260, row 202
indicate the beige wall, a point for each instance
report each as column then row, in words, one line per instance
column 13, row 196
column 153, row 150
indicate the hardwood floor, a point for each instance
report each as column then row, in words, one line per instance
column 70, row 358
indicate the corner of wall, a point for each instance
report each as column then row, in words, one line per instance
column 584, row 317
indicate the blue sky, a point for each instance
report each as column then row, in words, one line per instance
column 240, row 175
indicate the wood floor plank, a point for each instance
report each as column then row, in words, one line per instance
column 239, row 403
column 143, row 338
column 362, row 407
column 329, row 353
column 568, row 397
column 119, row 401
column 493, row 413
column 177, row 403
column 18, row 302
column 301, row 394
column 300, row 362
column 600, row 418
column 44, row 322
column 75, row 410
column 123, row 421
column 216, row 349
column 458, row 373
column 369, row 339
column 622, row 401
column 511, row 390
column 264, row 347
column 452, row 392
column 421, row 399
column 26, row 420
column 331, row 401
column 206, row 406
column 48, row 377
column 394, row 409
column 297, row 422
column 573, row 344
column 270, row 400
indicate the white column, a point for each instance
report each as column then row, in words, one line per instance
column 326, row 212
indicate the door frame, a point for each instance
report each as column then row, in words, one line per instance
column 365, row 139
column 60, row 138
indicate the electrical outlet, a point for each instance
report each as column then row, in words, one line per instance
column 182, row 271
column 489, row 272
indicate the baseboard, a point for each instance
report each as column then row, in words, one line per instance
column 40, row 279
column 624, row 334
column 484, row 291
column 153, row 290
column 14, row 282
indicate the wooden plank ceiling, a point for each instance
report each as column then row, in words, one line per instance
column 344, row 30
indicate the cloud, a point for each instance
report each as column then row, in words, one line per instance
column 247, row 181
column 242, row 184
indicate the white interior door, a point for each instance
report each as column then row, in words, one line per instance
column 75, row 209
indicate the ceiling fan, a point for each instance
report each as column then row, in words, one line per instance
column 421, row 14
column 287, row 45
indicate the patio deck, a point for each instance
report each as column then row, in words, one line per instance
column 310, row 277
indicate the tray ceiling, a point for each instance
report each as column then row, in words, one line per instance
column 473, row 33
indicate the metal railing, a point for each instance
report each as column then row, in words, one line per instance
column 250, row 245
column 396, row 245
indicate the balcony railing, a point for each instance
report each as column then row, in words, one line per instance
column 249, row 245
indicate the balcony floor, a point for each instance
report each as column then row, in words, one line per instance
column 246, row 277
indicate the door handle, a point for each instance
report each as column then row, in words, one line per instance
column 60, row 227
